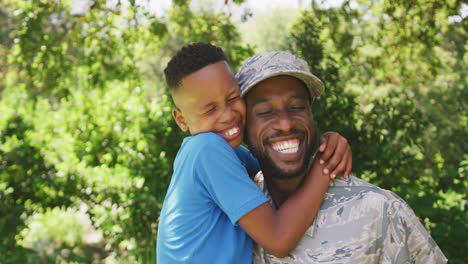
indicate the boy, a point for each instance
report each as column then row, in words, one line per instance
column 211, row 200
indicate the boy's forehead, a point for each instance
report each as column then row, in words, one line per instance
column 208, row 75
column 208, row 84
column 210, row 69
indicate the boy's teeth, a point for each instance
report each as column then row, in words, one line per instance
column 288, row 146
column 232, row 131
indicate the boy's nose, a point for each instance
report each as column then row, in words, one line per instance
column 228, row 115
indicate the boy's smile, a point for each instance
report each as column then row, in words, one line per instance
column 208, row 100
column 231, row 133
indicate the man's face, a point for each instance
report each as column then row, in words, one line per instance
column 280, row 128
column 209, row 101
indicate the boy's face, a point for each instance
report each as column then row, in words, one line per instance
column 209, row 101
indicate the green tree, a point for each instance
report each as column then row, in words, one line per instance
column 270, row 31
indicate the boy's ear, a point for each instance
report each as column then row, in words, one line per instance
column 179, row 118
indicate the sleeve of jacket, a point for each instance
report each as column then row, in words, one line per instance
column 406, row 239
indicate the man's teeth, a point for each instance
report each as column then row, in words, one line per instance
column 232, row 131
column 290, row 146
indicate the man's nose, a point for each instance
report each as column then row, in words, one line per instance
column 283, row 121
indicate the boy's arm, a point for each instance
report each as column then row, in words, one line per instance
column 279, row 231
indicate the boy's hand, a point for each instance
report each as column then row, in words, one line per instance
column 336, row 147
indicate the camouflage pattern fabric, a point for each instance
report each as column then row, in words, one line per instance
column 359, row 223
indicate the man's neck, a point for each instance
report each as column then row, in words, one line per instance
column 281, row 189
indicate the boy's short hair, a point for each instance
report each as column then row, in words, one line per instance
column 190, row 59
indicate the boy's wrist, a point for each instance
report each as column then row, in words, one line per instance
column 317, row 170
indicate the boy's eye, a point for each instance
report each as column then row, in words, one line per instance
column 210, row 110
column 232, row 99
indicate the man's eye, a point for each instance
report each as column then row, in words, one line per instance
column 297, row 107
column 232, row 99
column 264, row 112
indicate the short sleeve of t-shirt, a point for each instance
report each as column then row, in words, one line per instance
column 225, row 178
column 248, row 161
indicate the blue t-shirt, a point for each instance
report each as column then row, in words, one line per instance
column 209, row 192
column 248, row 161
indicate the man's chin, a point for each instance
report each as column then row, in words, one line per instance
column 269, row 167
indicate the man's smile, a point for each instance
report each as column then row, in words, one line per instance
column 286, row 146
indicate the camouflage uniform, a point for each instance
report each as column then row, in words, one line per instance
column 359, row 223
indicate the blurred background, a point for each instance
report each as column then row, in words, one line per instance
column 87, row 139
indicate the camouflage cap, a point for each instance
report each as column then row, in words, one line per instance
column 268, row 64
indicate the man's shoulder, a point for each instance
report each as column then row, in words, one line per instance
column 352, row 181
column 353, row 190
column 359, row 187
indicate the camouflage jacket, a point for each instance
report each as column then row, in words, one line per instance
column 359, row 223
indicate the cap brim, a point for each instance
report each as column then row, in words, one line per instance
column 314, row 85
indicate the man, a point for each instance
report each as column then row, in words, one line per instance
column 357, row 222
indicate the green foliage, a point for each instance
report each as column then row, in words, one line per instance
column 96, row 149
column 27, row 180
column 87, row 138
column 56, row 52
column 270, row 31
column 53, row 229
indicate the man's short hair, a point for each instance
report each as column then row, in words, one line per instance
column 190, row 59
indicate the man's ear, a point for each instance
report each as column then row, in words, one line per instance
column 179, row 118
